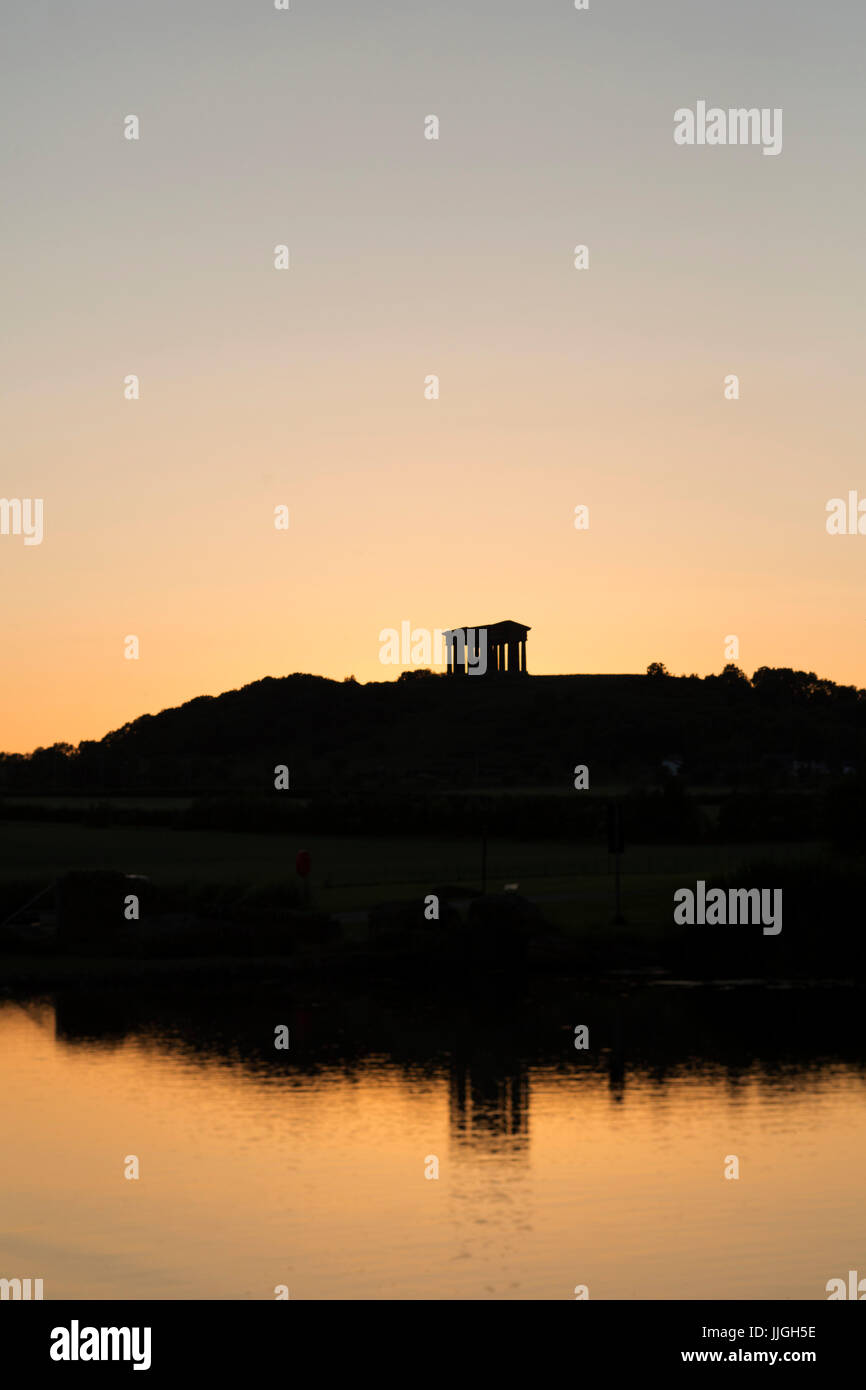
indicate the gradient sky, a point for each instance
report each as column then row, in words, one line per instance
column 412, row 257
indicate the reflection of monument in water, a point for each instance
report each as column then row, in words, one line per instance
column 489, row 1098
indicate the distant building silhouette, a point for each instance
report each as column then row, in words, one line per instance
column 489, row 649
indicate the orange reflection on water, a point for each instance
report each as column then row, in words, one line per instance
column 549, row 1176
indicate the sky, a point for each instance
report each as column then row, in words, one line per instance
column 410, row 257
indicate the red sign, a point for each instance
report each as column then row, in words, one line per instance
column 303, row 862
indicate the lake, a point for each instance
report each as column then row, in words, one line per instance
column 557, row 1167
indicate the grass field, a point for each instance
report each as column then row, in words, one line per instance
column 354, row 872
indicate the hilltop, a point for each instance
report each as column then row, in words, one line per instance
column 432, row 735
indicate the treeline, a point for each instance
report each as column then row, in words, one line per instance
column 429, row 734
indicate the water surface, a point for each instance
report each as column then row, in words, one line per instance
column 556, row 1167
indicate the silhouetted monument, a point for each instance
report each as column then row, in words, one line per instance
column 490, row 649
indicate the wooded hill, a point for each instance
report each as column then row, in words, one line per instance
column 394, row 754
